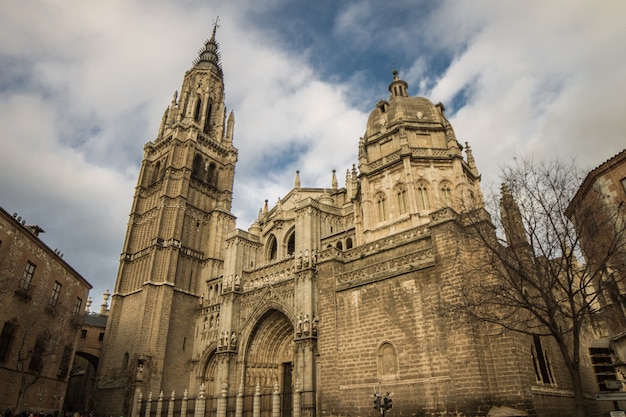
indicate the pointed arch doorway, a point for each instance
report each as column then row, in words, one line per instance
column 269, row 360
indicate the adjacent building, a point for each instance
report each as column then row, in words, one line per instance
column 599, row 211
column 81, row 388
column 331, row 295
column 42, row 303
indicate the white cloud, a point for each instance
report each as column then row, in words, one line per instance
column 84, row 86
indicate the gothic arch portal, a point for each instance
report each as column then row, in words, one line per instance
column 269, row 353
column 209, row 374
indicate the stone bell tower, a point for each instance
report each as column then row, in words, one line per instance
column 174, row 242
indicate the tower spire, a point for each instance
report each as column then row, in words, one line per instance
column 210, row 53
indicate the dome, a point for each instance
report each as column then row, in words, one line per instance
column 401, row 107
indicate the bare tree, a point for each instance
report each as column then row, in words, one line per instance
column 538, row 278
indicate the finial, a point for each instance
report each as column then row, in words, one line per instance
column 297, row 181
column 334, row 181
column 265, row 208
column 470, row 158
column 215, row 26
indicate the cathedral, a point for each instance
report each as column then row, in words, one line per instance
column 335, row 293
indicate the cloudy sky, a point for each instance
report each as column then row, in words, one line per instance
column 83, row 86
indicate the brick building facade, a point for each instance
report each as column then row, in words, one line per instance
column 41, row 310
column 335, row 293
column 599, row 211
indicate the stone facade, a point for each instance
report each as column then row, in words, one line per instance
column 599, row 213
column 334, row 293
column 41, row 310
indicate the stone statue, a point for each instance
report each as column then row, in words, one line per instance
column 299, row 326
column 139, row 375
column 306, row 324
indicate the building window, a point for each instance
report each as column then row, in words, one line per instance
column 402, row 205
column 65, row 362
column 387, row 360
column 36, row 361
column 27, row 276
column 211, row 176
column 196, row 113
column 207, row 120
column 601, row 359
column 54, row 295
column 446, row 195
column 422, row 197
column 291, row 244
column 78, row 305
column 83, row 334
column 156, row 171
column 624, row 184
column 541, row 362
column 349, row 243
column 273, row 249
column 125, row 361
column 381, row 204
column 101, row 337
column 6, row 337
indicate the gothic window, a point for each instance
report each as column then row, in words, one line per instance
column 381, row 205
column 446, row 195
column 6, row 337
column 27, row 276
column 541, row 362
column 207, row 119
column 54, row 295
column 196, row 169
column 387, row 360
column 422, row 197
column 155, row 172
column 196, row 112
column 211, row 176
column 349, row 243
column 339, row 245
column 291, row 244
column 273, row 249
column 402, row 201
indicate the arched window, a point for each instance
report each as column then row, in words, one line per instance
column 446, row 195
column 339, row 245
column 196, row 112
column 211, row 176
column 273, row 249
column 349, row 243
column 422, row 197
column 402, row 200
column 291, row 244
column 387, row 360
column 207, row 119
column 197, row 167
column 155, row 172
column 381, row 205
